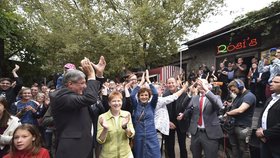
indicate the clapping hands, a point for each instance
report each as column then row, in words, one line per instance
column 99, row 68
column 203, row 85
column 86, row 66
column 126, row 120
column 90, row 69
column 127, row 85
column 103, row 123
column 145, row 77
column 185, row 85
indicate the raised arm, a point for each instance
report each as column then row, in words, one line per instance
column 128, row 104
column 14, row 71
column 126, row 87
column 135, row 90
column 193, row 89
column 18, row 80
column 155, row 95
column 89, row 95
column 182, row 90
column 179, row 81
column 88, row 69
column 148, row 77
column 153, row 89
column 215, row 100
column 163, row 101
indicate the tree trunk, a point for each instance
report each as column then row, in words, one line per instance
column 1, row 57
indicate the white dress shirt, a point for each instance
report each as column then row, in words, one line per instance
column 275, row 98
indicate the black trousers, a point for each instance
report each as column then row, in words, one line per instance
column 266, row 152
column 170, row 143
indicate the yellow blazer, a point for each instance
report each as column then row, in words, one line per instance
column 116, row 143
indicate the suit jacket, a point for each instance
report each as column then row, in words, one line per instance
column 181, row 103
column 210, row 115
column 272, row 133
column 72, row 120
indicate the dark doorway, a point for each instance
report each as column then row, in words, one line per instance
column 247, row 61
column 154, row 78
column 233, row 59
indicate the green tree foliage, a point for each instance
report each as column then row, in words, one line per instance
column 258, row 20
column 129, row 33
column 18, row 41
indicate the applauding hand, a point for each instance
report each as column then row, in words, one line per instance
column 87, row 68
column 125, row 121
column 99, row 68
column 103, row 123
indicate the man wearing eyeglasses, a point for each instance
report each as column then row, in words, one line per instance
column 70, row 110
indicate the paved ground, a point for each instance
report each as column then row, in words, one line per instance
column 255, row 121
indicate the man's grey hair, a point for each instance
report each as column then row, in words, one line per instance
column 73, row 75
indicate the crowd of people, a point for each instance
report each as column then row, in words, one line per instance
column 86, row 115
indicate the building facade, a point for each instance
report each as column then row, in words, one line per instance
column 230, row 42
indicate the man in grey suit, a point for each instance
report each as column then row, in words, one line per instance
column 205, row 126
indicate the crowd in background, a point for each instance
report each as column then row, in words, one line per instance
column 133, row 117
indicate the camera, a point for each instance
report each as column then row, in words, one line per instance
column 227, row 123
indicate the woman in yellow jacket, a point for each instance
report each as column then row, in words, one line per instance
column 114, row 129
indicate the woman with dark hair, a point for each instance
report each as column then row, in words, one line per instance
column 26, row 142
column 8, row 124
column 146, row 142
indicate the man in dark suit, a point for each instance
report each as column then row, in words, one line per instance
column 70, row 110
column 269, row 123
column 205, row 126
column 176, row 125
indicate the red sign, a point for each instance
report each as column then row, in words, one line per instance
column 232, row 47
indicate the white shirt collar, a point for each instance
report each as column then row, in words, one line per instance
column 275, row 96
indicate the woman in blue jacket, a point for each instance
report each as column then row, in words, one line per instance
column 146, row 142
